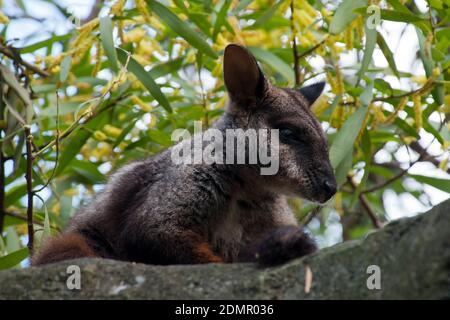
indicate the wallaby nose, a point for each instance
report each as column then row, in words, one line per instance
column 329, row 188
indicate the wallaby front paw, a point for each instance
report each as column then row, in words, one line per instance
column 284, row 244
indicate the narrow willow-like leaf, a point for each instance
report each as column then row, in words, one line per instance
column 274, row 62
column 345, row 14
column 65, row 68
column 13, row 259
column 371, row 39
column 387, row 54
column 439, row 183
column 221, row 17
column 181, row 28
column 145, row 78
column 106, row 35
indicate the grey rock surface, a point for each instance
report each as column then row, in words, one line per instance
column 413, row 255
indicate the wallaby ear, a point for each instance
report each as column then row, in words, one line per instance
column 243, row 78
column 312, row 92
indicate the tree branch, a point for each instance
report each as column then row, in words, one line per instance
column 365, row 204
column 311, row 215
column 294, row 49
column 14, row 54
column 2, row 190
column 424, row 155
column 21, row 217
column 29, row 178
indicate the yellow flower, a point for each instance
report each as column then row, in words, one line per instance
column 304, row 41
column 71, row 192
column 112, row 131
column 3, row 18
column 122, row 116
column 401, row 105
column 408, row 140
column 134, row 35
column 56, row 208
column 436, row 72
column 143, row 9
column 419, row 79
column 320, row 105
column 303, row 18
column 304, row 5
column 349, row 38
column 153, row 119
column 117, row 7
column 141, row 104
column 338, row 203
column 100, row 136
column 79, row 51
column 145, row 48
column 443, row 165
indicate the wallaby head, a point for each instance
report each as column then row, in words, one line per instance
column 304, row 166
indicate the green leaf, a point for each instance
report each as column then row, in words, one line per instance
column 46, row 231
column 44, row 43
column 13, row 258
column 387, row 54
column 275, row 62
column 343, row 142
column 65, row 68
column 343, row 168
column 268, row 14
column 14, row 194
column 438, row 91
column 181, row 28
column 242, row 5
column 345, row 14
column 145, row 78
column 221, row 17
column 106, row 35
column 166, row 67
column 75, row 142
column 371, row 38
column 439, row 183
column 12, row 240
column 400, row 16
column 88, row 170
column 21, row 92
column 367, row 94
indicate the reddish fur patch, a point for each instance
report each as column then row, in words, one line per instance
column 205, row 254
column 64, row 247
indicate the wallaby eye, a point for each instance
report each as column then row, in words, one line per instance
column 289, row 135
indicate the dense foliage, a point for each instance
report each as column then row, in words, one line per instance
column 75, row 106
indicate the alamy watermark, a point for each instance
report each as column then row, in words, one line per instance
column 374, row 280
column 231, row 146
column 73, row 281
column 374, row 18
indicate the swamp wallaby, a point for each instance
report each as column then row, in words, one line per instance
column 157, row 212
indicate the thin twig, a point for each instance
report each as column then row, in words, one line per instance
column 204, row 105
column 13, row 54
column 29, row 178
column 74, row 126
column 365, row 204
column 2, row 189
column 21, row 217
column 311, row 215
column 312, row 49
column 57, row 147
column 294, row 49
